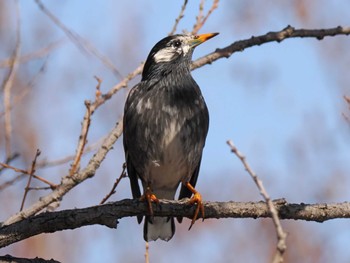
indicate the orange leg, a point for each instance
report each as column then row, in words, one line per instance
column 149, row 197
column 196, row 198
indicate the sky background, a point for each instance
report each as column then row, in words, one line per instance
column 280, row 103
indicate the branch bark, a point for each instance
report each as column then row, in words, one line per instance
column 108, row 215
column 11, row 259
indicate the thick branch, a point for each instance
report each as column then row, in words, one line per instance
column 108, row 215
column 10, row 259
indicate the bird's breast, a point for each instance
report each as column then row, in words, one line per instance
column 169, row 124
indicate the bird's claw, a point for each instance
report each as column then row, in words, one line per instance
column 195, row 199
column 150, row 198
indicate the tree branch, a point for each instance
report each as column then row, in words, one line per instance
column 68, row 182
column 10, row 259
column 281, row 235
column 279, row 36
column 108, row 215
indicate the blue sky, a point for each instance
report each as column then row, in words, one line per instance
column 280, row 103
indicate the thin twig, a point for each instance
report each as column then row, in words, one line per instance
column 281, row 235
column 198, row 17
column 147, row 252
column 200, row 21
column 181, row 15
column 39, row 188
column 122, row 175
column 82, row 139
column 32, row 171
column 98, row 93
column 50, row 163
column 11, row 182
column 8, row 84
column 79, row 41
column 9, row 159
column 347, row 100
column 120, row 85
column 18, row 98
column 53, row 186
column 33, row 55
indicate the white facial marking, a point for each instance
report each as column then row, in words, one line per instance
column 164, row 55
column 185, row 49
column 169, row 53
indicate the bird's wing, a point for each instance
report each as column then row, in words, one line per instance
column 132, row 173
column 135, row 188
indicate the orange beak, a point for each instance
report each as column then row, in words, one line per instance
column 199, row 39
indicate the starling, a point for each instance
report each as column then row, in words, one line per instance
column 165, row 126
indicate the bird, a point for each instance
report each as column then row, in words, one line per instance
column 166, row 122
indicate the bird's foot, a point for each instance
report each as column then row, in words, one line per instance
column 150, row 198
column 195, row 199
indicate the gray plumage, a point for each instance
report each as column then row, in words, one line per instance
column 165, row 126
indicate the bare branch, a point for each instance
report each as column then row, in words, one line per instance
column 10, row 259
column 147, row 252
column 18, row 98
column 281, row 235
column 8, row 83
column 79, row 41
column 33, row 55
column 122, row 175
column 69, row 182
column 108, row 214
column 200, row 20
column 9, row 159
column 11, row 182
column 89, row 148
column 31, row 173
column 28, row 173
column 181, row 15
column 279, row 36
column 346, row 117
column 197, row 25
column 82, row 138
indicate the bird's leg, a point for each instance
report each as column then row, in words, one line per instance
column 196, row 198
column 149, row 197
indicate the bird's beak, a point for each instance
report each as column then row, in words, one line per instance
column 199, row 39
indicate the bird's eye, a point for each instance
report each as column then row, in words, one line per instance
column 176, row 44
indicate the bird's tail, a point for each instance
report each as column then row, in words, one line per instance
column 159, row 227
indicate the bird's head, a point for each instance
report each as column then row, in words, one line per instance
column 172, row 52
